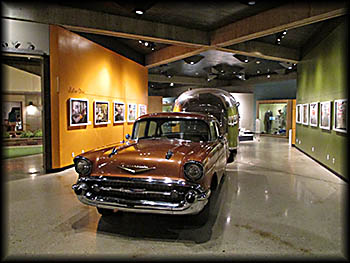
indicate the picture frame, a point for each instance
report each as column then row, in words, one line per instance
column 142, row 110
column 101, row 112
column 298, row 113
column 305, row 114
column 78, row 112
column 132, row 112
column 325, row 115
column 340, row 117
column 314, row 114
column 118, row 112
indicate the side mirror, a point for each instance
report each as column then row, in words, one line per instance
column 127, row 136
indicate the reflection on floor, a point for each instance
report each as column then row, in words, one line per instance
column 23, row 167
column 274, row 201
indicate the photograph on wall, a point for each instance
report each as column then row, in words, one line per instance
column 340, row 115
column 298, row 113
column 305, row 115
column 132, row 108
column 325, row 115
column 314, row 114
column 78, row 112
column 101, row 112
column 142, row 110
column 119, row 112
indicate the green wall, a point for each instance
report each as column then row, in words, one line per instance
column 322, row 76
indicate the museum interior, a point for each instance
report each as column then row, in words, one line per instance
column 76, row 76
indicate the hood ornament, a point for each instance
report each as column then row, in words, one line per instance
column 135, row 169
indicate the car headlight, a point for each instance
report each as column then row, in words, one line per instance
column 193, row 170
column 83, row 166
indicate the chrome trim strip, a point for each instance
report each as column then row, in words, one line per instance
column 141, row 191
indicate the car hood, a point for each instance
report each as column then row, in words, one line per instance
column 148, row 157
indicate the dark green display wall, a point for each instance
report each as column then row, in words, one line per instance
column 322, row 76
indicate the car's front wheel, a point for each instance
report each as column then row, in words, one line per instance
column 104, row 211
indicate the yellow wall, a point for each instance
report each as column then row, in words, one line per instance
column 80, row 68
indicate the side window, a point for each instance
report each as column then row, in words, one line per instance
column 213, row 131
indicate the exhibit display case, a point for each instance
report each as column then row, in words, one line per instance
column 275, row 117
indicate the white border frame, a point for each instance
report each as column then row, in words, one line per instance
column 335, row 115
column 330, row 115
column 104, row 102
column 296, row 113
column 305, row 122
column 70, row 112
column 139, row 109
column 128, row 112
column 310, row 109
column 118, row 102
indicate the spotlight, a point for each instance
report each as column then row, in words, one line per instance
column 139, row 11
column 17, row 44
column 146, row 44
column 30, row 46
column 257, row 62
column 4, row 44
column 171, row 84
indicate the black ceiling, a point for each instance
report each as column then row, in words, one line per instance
column 206, row 16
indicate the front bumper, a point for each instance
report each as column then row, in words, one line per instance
column 144, row 195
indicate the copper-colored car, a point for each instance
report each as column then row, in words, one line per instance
column 169, row 165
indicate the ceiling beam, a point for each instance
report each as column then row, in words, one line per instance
column 183, row 80
column 264, row 50
column 171, row 54
column 88, row 21
column 292, row 15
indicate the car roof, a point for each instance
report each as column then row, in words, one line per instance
column 193, row 115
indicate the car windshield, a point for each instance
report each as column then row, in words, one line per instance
column 171, row 128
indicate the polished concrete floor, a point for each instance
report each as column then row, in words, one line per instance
column 274, row 202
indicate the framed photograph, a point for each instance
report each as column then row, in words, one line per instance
column 78, row 112
column 132, row 108
column 298, row 113
column 340, row 115
column 314, row 114
column 305, row 115
column 142, row 109
column 119, row 112
column 325, row 115
column 101, row 111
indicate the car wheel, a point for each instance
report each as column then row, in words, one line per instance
column 104, row 211
column 231, row 157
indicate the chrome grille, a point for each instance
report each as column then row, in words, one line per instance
column 137, row 189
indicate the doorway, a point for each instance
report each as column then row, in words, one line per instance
column 25, row 111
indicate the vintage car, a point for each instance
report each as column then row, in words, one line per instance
column 170, row 164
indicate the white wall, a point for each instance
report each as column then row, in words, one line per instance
column 246, row 110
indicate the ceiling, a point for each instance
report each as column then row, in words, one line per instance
column 218, row 32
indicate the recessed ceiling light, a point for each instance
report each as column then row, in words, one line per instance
column 268, row 76
column 258, row 71
column 171, row 84
column 257, row 62
column 139, row 12
column 146, row 43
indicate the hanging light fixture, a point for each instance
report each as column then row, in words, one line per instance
column 193, row 59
